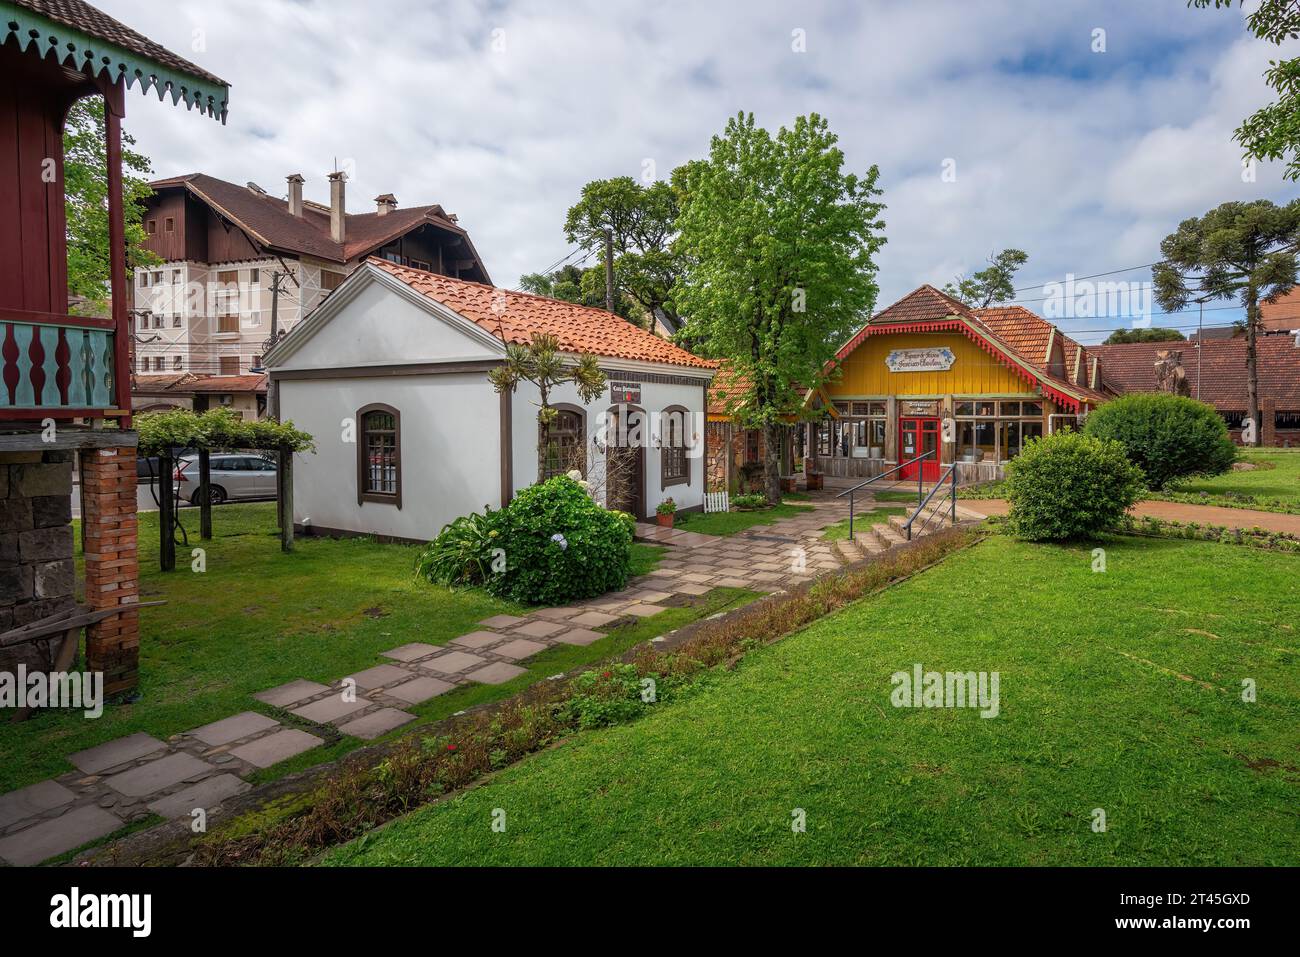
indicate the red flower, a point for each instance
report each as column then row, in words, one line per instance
column 451, row 747
column 608, row 673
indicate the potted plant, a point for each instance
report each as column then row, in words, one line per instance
column 664, row 512
column 813, row 480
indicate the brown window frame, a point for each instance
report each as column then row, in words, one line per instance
column 666, row 418
column 581, row 413
column 363, row 494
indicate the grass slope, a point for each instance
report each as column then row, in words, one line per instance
column 1119, row 690
column 1281, row 482
column 729, row 523
column 254, row 619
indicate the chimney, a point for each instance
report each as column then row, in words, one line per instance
column 338, row 206
column 385, row 204
column 295, row 194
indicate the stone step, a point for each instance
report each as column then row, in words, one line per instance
column 849, row 550
column 886, row 535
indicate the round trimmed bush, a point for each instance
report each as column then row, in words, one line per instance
column 1070, row 485
column 1167, row 436
column 560, row 545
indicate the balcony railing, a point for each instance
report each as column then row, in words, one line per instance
column 56, row 363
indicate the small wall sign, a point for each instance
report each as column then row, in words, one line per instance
column 625, row 393
column 918, row 408
column 920, row 360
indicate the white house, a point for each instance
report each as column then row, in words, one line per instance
column 389, row 375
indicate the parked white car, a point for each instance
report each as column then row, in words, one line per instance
column 231, row 476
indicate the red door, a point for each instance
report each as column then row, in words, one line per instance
column 917, row 435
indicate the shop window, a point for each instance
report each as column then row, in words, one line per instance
column 1008, row 408
column 824, row 437
column 1233, row 419
column 1286, row 420
column 1031, row 408
column 977, row 441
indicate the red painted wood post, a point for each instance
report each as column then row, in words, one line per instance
column 114, row 109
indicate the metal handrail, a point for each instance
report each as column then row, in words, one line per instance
column 875, row 478
column 952, row 491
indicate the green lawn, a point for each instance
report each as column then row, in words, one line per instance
column 729, row 523
column 254, row 619
column 1119, row 690
column 862, row 521
column 1280, row 483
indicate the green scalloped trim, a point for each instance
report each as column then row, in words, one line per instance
column 79, row 50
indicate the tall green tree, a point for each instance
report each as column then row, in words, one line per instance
column 991, row 285
column 642, row 223
column 1273, row 131
column 586, row 287
column 1239, row 251
column 85, row 180
column 779, row 242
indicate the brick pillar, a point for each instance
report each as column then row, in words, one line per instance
column 1268, row 422
column 108, row 481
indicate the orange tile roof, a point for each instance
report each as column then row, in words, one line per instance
column 1283, row 312
column 518, row 316
column 727, row 390
column 1131, row 367
column 1018, row 333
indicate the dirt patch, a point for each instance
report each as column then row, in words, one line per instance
column 1198, row 631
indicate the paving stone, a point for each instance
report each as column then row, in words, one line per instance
column 496, row 673
column 378, row 676
column 765, row 576
column 416, row 649
column 666, row 572
column 330, row 709
column 519, row 648
column 501, row 621
column 419, row 689
column 539, row 629
column 651, row 597
column 697, row 578
column 694, row 589
column 234, row 728
column 207, row 794
column 644, row 611
column 42, row 841
column 594, row 619
column 115, row 752
column 579, row 636
column 158, row 774
column 477, row 639
column 450, row 664
column 32, row 800
column 284, row 695
column 731, row 583
column 556, row 614
column 379, row 722
column 274, row 748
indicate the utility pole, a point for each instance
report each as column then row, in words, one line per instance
column 609, row 269
column 272, row 392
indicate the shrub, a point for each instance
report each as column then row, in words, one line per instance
column 560, row 545
column 464, row 551
column 1070, row 485
column 749, row 501
column 1167, row 436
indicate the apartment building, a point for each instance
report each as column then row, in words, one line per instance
column 232, row 255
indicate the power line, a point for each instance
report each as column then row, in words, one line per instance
column 1095, row 275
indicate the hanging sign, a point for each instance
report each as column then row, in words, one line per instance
column 920, row 360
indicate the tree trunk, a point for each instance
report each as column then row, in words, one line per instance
column 1252, row 367
column 772, row 462
column 205, row 494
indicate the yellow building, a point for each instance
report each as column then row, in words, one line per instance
column 930, row 381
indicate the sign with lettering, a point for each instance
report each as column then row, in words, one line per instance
column 914, row 407
column 624, row 393
column 920, row 360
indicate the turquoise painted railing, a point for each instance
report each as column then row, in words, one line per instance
column 56, row 365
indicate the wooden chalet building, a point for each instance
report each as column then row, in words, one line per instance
column 207, row 309
column 57, row 370
column 998, row 376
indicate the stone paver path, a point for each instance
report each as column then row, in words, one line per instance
column 127, row 779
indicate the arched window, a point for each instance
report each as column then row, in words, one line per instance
column 674, row 462
column 379, row 455
column 565, row 448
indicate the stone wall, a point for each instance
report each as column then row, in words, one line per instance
column 723, row 440
column 37, row 574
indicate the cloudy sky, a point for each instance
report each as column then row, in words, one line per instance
column 501, row 111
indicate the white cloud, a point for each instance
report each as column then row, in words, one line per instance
column 1084, row 160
